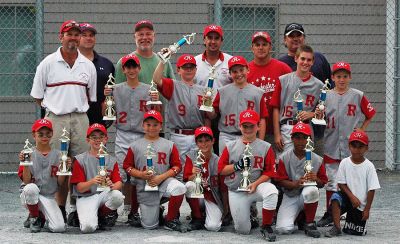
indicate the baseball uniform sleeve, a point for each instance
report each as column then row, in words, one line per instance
column 129, row 160
column 223, row 160
column 119, row 75
column 92, row 83
column 322, row 174
column 115, row 176
column 174, row 159
column 269, row 164
column 20, row 171
column 187, row 171
column 78, row 173
column 276, row 95
column 216, row 103
column 263, row 106
column 39, row 82
column 167, row 88
column 281, row 174
column 367, row 108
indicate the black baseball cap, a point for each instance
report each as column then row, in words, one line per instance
column 294, row 27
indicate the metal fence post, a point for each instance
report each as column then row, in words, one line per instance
column 39, row 38
column 218, row 12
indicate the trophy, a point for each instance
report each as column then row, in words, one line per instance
column 110, row 109
column 207, row 97
column 153, row 90
column 27, row 152
column 321, row 104
column 62, row 169
column 298, row 99
column 150, row 153
column 198, row 192
column 308, row 165
column 165, row 56
column 102, row 170
column 245, row 182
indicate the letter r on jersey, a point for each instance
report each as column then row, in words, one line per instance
column 54, row 170
column 310, row 100
column 250, row 105
column 161, row 158
column 258, row 162
column 351, row 109
column 142, row 106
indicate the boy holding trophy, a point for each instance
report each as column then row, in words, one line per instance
column 96, row 209
column 41, row 180
column 250, row 160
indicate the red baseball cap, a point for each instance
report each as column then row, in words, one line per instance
column 249, row 116
column 185, row 59
column 261, row 34
column 153, row 114
column 128, row 57
column 213, row 28
column 301, row 127
column 203, row 130
column 40, row 123
column 87, row 26
column 144, row 23
column 68, row 25
column 95, row 127
column 341, row 66
column 237, row 60
column 360, row 136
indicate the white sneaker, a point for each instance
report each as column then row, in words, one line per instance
column 123, row 212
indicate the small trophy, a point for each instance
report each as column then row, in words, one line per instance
column 110, row 109
column 198, row 192
column 102, row 170
column 175, row 47
column 153, row 90
column 27, row 152
column 321, row 105
column 245, row 182
column 62, row 169
column 307, row 166
column 207, row 97
column 298, row 99
column 150, row 153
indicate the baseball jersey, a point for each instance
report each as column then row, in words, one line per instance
column 130, row 105
column 262, row 162
column 231, row 100
column 86, row 167
column 184, row 103
column 167, row 157
column 265, row 77
column 44, row 171
column 286, row 87
column 292, row 168
column 65, row 89
column 222, row 76
column 342, row 113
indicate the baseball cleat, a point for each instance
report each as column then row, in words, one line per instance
column 175, row 225
column 35, row 224
column 134, row 220
column 311, row 230
column 333, row 232
column 325, row 221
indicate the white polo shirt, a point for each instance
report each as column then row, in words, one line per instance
column 222, row 76
column 63, row 89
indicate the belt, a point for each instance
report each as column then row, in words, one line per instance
column 187, row 132
column 236, row 133
column 292, row 122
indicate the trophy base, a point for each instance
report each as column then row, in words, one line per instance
column 26, row 163
column 194, row 195
column 102, row 188
column 309, row 183
column 150, row 188
column 242, row 189
column 63, row 173
column 153, row 103
column 109, row 118
column 163, row 59
column 318, row 121
column 206, row 108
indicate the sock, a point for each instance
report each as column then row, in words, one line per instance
column 134, row 201
column 267, row 216
column 310, row 209
column 103, row 211
column 33, row 210
column 195, row 207
column 174, row 204
column 328, row 198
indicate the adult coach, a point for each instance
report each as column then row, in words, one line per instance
column 104, row 67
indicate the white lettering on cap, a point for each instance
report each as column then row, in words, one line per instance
column 300, row 126
column 247, row 115
column 358, row 135
column 235, row 59
column 203, row 129
column 153, row 112
column 187, row 57
column 213, row 27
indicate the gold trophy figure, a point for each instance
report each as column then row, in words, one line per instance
column 27, row 152
column 150, row 153
column 245, row 182
column 198, row 180
column 208, row 93
column 110, row 104
column 62, row 169
column 321, row 104
column 102, row 170
column 153, row 90
column 308, row 165
column 298, row 99
column 166, row 55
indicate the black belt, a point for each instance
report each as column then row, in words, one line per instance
column 292, row 122
column 187, row 132
column 236, row 133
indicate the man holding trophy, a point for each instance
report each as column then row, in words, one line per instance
column 254, row 158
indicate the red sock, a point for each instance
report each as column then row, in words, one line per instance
column 134, row 201
column 310, row 209
column 33, row 210
column 174, row 204
column 267, row 216
column 328, row 198
column 103, row 210
column 195, row 207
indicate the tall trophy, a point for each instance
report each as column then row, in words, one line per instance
column 62, row 169
column 110, row 104
column 308, row 165
column 198, row 191
column 165, row 56
column 27, row 152
column 298, row 99
column 102, row 170
column 245, row 182
column 207, row 97
column 153, row 90
column 321, row 104
column 150, row 153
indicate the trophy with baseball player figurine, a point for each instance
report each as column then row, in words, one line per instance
column 102, row 170
column 62, row 169
column 321, row 104
column 198, row 192
column 153, row 90
column 150, row 153
column 110, row 104
column 27, row 152
column 308, row 165
column 298, row 99
column 208, row 92
column 245, row 182
column 166, row 55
